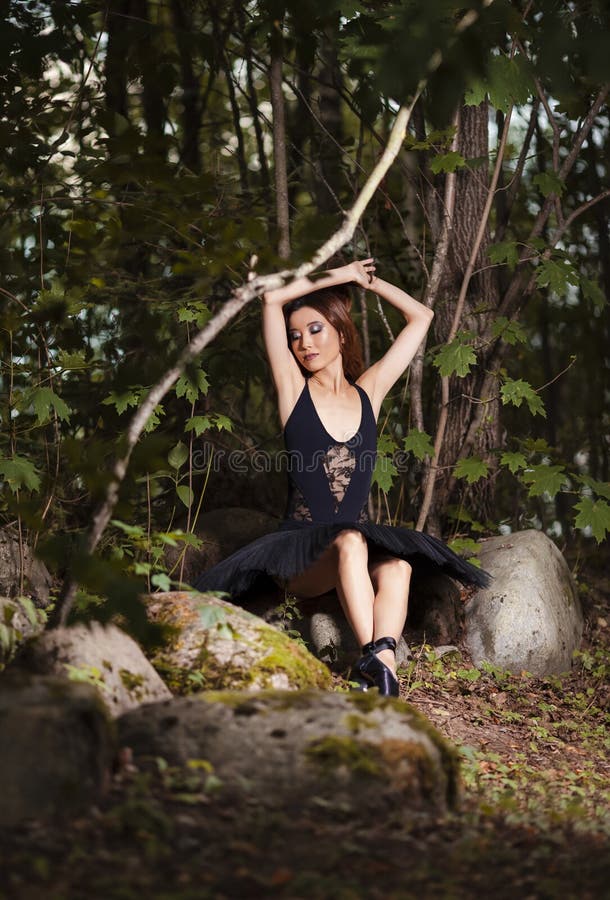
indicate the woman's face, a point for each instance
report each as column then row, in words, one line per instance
column 313, row 340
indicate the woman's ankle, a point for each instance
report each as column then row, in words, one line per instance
column 388, row 658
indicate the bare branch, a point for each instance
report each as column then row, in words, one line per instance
column 442, row 421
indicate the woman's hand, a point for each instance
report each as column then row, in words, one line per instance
column 362, row 272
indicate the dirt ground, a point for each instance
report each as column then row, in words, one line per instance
column 533, row 821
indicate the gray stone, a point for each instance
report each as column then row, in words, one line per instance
column 356, row 753
column 222, row 531
column 325, row 627
column 19, row 620
column 56, row 747
column 530, row 618
column 36, row 577
column 435, row 609
column 101, row 655
column 216, row 645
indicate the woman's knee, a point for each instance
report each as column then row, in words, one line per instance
column 350, row 541
column 396, row 569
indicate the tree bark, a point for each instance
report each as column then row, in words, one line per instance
column 279, row 147
column 481, row 302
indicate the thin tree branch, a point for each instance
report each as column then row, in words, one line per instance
column 442, row 421
column 436, row 274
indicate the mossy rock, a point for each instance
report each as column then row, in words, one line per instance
column 305, row 748
column 214, row 645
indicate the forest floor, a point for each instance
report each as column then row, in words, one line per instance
column 533, row 821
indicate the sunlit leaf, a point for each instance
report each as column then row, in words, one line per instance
column 556, row 274
column 504, row 252
column 44, row 400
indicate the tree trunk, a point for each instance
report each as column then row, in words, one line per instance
column 183, row 29
column 482, row 299
column 329, row 183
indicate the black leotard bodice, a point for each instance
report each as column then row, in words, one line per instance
column 328, row 480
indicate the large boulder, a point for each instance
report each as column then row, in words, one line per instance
column 356, row 753
column 101, row 655
column 530, row 618
column 222, row 532
column 323, row 625
column 20, row 619
column 56, row 747
column 36, row 577
column 216, row 645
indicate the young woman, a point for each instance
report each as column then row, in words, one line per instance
column 328, row 408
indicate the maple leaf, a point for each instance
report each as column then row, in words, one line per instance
column 472, row 469
column 593, row 515
column 545, row 480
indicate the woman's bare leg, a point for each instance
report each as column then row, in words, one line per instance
column 373, row 594
column 344, row 567
column 390, row 578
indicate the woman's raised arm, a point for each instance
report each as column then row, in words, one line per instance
column 287, row 376
column 379, row 378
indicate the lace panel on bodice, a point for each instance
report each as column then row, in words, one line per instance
column 338, row 463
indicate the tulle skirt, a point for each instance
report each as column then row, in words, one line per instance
column 296, row 545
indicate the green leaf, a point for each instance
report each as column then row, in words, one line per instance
column 602, row 488
column 455, row 358
column 593, row 292
column 447, row 162
column 419, row 444
column 19, row 472
column 162, row 581
column 509, row 81
column 504, row 252
column 211, row 616
column 384, row 473
column 593, row 515
column 121, row 402
column 515, row 391
column 476, row 93
column 472, row 469
column 556, row 274
column 178, row 455
column 185, row 387
column 223, row 422
column 544, row 480
column 386, row 444
column 44, row 399
column 198, row 424
column 465, row 547
column 514, row 461
column 511, row 332
column 185, row 494
column 549, row 183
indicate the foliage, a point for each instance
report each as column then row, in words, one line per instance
column 136, row 194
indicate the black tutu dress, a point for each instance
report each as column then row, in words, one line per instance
column 329, row 483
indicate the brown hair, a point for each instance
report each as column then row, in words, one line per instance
column 335, row 305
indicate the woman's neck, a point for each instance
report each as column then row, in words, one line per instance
column 330, row 382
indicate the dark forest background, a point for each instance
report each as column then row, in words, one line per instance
column 156, row 152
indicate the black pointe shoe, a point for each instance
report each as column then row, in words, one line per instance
column 374, row 672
